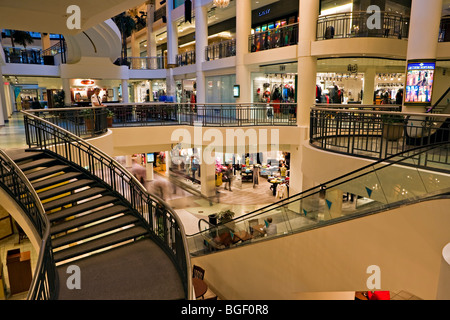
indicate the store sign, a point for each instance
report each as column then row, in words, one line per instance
column 352, row 68
column 419, row 82
column 264, row 12
column 87, row 82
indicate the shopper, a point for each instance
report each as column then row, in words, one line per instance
column 229, row 175
column 270, row 228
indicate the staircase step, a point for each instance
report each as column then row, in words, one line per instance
column 43, row 162
column 25, row 155
column 82, row 207
column 73, row 198
column 94, row 230
column 88, row 218
column 71, row 186
column 100, row 243
column 46, row 172
column 55, row 180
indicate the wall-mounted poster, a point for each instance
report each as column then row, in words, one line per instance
column 419, row 82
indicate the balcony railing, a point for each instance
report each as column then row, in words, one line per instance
column 208, row 115
column 20, row 55
column 221, row 50
column 444, row 30
column 375, row 133
column 274, row 38
column 146, row 63
column 355, row 24
column 186, row 58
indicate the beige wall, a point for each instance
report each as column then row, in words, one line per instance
column 406, row 243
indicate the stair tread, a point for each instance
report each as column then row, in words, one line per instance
column 100, row 243
column 88, row 218
column 55, row 180
column 24, row 155
column 65, row 188
column 94, row 230
column 80, row 208
column 44, row 172
column 73, row 198
column 36, row 163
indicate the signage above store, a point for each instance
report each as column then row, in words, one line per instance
column 263, row 13
column 87, row 82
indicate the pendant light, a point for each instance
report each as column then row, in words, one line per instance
column 221, row 3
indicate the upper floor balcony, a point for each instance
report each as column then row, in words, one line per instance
column 359, row 24
column 54, row 55
column 274, row 38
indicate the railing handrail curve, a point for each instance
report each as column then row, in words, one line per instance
column 130, row 176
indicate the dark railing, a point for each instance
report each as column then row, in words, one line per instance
column 385, row 184
column 20, row 55
column 146, row 63
column 375, row 134
column 186, row 58
column 84, row 122
column 355, row 24
column 212, row 115
column 221, row 50
column 59, row 48
column 444, row 30
column 274, row 38
column 163, row 224
column 14, row 182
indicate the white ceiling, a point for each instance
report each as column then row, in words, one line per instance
column 51, row 15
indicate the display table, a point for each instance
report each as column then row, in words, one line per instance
column 19, row 270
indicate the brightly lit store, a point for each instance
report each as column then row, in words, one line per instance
column 147, row 90
column 359, row 80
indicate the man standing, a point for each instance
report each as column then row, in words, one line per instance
column 96, row 101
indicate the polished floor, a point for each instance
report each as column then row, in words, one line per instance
column 12, row 134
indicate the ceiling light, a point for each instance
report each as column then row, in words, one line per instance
column 221, row 3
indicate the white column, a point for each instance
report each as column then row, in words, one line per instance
column 243, row 29
column 151, row 36
column 369, row 86
column 423, row 34
column 172, row 35
column 3, row 109
column 208, row 178
column 307, row 65
column 66, row 88
column 172, row 50
column 125, row 93
column 201, row 41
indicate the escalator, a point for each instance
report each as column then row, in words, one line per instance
column 432, row 128
column 410, row 177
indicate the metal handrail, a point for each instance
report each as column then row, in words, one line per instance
column 39, row 280
column 108, row 161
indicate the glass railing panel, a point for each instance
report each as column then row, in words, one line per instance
column 371, row 189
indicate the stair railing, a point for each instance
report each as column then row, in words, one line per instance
column 45, row 281
column 162, row 222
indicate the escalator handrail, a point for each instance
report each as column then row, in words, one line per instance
column 439, row 101
column 387, row 161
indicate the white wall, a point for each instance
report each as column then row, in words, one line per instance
column 406, row 243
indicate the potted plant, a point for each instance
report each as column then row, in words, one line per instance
column 88, row 119
column 393, row 125
column 109, row 118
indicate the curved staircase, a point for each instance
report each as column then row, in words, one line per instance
column 94, row 228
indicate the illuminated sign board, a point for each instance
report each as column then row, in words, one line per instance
column 419, row 82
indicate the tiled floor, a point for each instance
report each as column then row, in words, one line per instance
column 12, row 134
